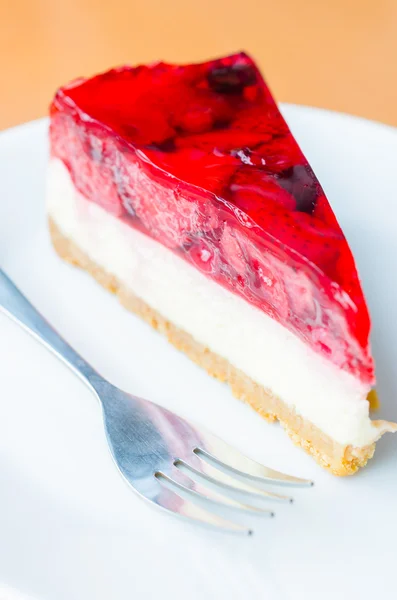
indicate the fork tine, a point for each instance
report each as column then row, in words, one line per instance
column 171, row 502
column 214, row 476
column 220, row 454
column 198, row 491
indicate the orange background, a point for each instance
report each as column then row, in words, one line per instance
column 338, row 54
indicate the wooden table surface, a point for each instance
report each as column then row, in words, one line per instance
column 338, row 54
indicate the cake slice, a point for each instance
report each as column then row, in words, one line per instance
column 182, row 190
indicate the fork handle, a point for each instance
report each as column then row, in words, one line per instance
column 16, row 306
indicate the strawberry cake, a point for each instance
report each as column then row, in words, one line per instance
column 182, row 190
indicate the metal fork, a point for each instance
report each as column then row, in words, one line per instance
column 175, row 465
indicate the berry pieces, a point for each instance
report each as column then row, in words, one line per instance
column 199, row 158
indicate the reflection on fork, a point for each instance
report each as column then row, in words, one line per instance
column 177, row 466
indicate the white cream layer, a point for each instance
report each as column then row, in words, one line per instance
column 331, row 399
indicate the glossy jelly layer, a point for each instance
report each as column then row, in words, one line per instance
column 200, row 158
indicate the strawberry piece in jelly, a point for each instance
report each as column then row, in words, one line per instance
column 200, row 158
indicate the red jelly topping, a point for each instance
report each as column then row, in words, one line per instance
column 200, row 158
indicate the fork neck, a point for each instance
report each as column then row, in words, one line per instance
column 16, row 306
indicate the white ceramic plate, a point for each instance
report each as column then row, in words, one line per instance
column 69, row 527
